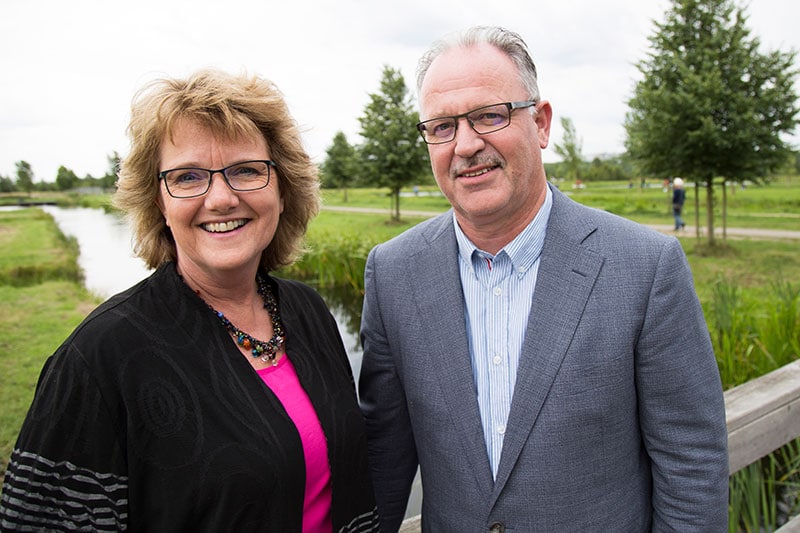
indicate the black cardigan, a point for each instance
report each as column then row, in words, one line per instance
column 149, row 418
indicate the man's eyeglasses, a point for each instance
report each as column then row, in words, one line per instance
column 486, row 119
column 189, row 182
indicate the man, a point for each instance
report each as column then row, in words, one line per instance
column 678, row 198
column 545, row 364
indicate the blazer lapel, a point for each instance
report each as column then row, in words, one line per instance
column 567, row 273
column 440, row 300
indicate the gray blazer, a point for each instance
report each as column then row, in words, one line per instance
column 617, row 421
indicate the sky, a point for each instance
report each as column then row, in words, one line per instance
column 70, row 68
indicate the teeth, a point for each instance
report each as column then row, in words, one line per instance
column 473, row 174
column 221, row 227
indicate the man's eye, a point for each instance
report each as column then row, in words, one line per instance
column 442, row 128
column 489, row 118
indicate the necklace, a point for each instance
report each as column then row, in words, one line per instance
column 266, row 351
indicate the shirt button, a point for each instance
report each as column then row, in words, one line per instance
column 497, row 359
column 498, row 291
column 501, row 428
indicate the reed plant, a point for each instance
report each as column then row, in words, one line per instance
column 752, row 337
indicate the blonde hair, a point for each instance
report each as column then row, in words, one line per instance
column 233, row 107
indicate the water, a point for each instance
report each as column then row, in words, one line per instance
column 106, row 250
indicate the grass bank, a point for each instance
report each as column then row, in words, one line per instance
column 42, row 299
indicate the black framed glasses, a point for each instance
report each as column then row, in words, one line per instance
column 486, row 119
column 188, row 182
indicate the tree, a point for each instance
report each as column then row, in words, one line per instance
column 109, row 180
column 7, row 184
column 24, row 177
column 710, row 104
column 339, row 168
column 393, row 154
column 65, row 179
column 570, row 150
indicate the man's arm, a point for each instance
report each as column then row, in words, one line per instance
column 390, row 438
column 681, row 404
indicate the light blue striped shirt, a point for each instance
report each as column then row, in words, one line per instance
column 498, row 291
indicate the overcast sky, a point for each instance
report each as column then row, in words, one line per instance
column 71, row 67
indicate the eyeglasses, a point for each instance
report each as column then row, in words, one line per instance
column 188, row 182
column 486, row 119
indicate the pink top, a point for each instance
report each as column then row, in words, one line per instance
column 282, row 379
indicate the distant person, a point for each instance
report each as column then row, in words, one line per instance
column 547, row 365
column 678, row 199
column 211, row 396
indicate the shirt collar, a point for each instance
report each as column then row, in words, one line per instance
column 523, row 250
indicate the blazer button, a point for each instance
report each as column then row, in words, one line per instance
column 497, row 527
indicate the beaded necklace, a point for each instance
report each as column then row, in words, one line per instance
column 265, row 350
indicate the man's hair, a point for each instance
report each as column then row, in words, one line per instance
column 504, row 40
column 234, row 107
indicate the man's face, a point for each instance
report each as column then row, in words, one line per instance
column 495, row 179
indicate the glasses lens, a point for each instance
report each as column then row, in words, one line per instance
column 248, row 176
column 438, row 130
column 490, row 118
column 185, row 182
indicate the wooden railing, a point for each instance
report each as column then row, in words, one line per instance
column 762, row 415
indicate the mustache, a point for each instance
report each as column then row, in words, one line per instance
column 476, row 161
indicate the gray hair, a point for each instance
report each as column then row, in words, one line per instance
column 504, row 40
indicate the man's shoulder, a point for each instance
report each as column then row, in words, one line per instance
column 420, row 236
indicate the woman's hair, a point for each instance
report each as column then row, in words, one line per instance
column 504, row 40
column 233, row 107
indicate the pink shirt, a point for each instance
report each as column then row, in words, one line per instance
column 282, row 380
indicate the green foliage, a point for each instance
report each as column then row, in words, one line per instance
column 570, row 151
column 752, row 337
column 711, row 104
column 392, row 154
column 340, row 167
column 24, row 177
column 7, row 184
column 65, row 179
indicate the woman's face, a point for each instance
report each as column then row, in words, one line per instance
column 223, row 231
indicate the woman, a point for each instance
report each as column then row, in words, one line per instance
column 210, row 396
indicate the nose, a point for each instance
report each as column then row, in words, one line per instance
column 220, row 195
column 467, row 141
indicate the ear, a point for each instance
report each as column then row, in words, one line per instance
column 543, row 119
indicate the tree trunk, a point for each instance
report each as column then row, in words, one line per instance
column 697, row 210
column 710, row 208
column 396, row 206
column 725, row 210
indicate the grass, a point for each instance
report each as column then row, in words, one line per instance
column 34, row 250
column 35, row 319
